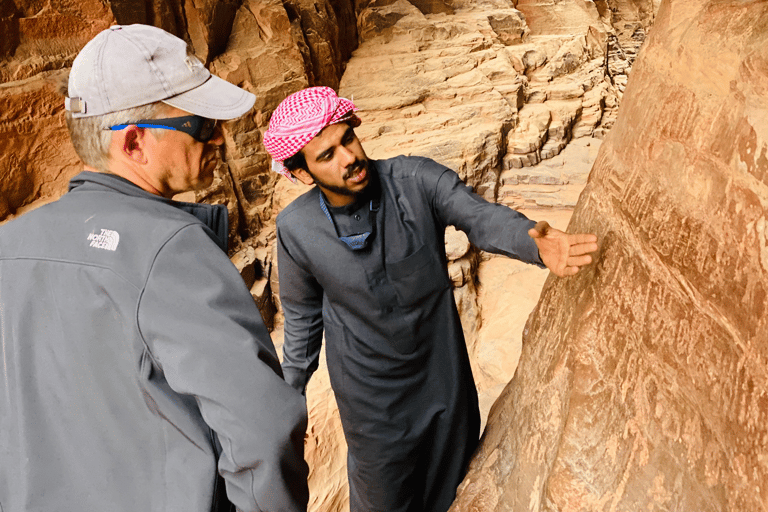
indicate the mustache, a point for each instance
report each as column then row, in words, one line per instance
column 355, row 168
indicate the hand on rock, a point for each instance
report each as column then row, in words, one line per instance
column 562, row 253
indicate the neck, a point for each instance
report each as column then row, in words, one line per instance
column 134, row 177
column 335, row 199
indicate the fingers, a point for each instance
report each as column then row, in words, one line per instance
column 572, row 266
column 542, row 229
column 579, row 261
column 565, row 271
column 569, row 271
column 564, row 254
column 582, row 238
column 584, row 248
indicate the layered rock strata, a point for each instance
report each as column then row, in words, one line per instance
column 489, row 87
column 642, row 381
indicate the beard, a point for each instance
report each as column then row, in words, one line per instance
column 353, row 169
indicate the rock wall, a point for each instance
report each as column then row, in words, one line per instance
column 39, row 40
column 642, row 383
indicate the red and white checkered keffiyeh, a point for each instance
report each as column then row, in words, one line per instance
column 300, row 117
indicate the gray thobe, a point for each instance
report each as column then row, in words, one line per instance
column 396, row 354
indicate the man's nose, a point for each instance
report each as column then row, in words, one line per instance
column 347, row 157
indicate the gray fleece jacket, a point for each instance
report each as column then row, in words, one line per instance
column 133, row 362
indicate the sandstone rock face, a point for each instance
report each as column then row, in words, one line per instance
column 642, row 382
column 39, row 39
column 481, row 91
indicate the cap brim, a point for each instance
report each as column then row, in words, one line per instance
column 215, row 99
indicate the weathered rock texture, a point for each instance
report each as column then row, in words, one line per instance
column 482, row 90
column 642, row 384
column 39, row 39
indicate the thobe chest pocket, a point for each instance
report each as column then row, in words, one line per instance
column 418, row 276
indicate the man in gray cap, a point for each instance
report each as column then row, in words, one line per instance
column 136, row 369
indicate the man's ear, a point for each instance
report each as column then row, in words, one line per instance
column 132, row 144
column 303, row 176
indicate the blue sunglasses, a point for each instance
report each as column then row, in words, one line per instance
column 199, row 128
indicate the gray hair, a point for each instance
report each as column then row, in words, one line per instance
column 91, row 136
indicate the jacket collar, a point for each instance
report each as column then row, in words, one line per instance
column 213, row 216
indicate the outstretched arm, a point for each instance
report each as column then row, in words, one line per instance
column 561, row 252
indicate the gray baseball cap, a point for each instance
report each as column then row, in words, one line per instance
column 133, row 65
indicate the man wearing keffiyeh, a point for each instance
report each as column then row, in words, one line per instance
column 361, row 259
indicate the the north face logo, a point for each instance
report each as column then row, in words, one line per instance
column 107, row 239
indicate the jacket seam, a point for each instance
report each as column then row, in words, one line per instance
column 70, row 262
column 163, row 424
column 146, row 281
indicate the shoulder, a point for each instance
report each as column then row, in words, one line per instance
column 104, row 230
column 410, row 167
column 412, row 174
column 299, row 208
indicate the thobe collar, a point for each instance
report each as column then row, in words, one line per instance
column 355, row 223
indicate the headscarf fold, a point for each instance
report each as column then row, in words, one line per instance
column 300, row 117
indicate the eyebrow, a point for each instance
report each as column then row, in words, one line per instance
column 327, row 152
column 344, row 137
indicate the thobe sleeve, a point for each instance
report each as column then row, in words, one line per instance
column 206, row 334
column 301, row 297
column 492, row 227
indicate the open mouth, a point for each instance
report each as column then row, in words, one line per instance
column 360, row 176
column 358, row 173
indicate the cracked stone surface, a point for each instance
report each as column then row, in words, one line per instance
column 642, row 383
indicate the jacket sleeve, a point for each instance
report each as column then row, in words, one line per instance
column 492, row 227
column 203, row 328
column 301, row 297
